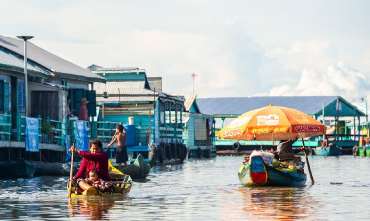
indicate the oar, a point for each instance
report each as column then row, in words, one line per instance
column 308, row 164
column 70, row 175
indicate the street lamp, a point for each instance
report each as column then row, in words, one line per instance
column 25, row 38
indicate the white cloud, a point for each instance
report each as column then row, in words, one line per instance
column 336, row 80
column 301, row 54
column 237, row 49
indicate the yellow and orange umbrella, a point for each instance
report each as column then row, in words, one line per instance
column 272, row 123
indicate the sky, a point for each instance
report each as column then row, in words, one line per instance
column 235, row 48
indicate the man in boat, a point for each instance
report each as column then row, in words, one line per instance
column 120, row 139
column 285, row 150
column 93, row 160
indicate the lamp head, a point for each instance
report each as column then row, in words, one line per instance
column 25, row 37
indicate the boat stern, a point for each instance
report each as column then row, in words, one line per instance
column 258, row 172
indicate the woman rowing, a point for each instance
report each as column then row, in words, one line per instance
column 94, row 160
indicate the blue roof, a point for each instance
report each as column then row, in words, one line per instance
column 312, row 105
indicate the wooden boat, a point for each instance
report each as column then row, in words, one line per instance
column 121, row 188
column 138, row 169
column 332, row 150
column 16, row 169
column 256, row 172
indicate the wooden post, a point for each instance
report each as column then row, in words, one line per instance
column 308, row 163
column 70, row 175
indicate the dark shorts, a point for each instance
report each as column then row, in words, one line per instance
column 121, row 155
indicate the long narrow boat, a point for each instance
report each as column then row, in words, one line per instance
column 256, row 172
column 16, row 169
column 50, row 168
column 328, row 151
column 138, row 169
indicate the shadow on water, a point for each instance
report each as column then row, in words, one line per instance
column 143, row 180
column 278, row 202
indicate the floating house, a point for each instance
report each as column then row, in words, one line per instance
column 342, row 118
column 152, row 118
column 198, row 131
column 55, row 89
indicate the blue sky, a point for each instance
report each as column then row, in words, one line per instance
column 236, row 48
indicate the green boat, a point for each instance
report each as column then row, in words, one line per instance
column 256, row 172
column 328, row 151
column 138, row 169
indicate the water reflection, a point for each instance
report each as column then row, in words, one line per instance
column 280, row 203
column 95, row 208
column 200, row 190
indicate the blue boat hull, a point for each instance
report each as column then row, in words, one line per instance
column 278, row 178
column 275, row 177
column 328, row 151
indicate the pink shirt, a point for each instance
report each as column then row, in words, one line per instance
column 83, row 112
column 93, row 161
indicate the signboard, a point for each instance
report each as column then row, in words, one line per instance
column 81, row 136
column 32, row 134
column 268, row 120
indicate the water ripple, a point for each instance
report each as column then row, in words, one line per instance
column 201, row 190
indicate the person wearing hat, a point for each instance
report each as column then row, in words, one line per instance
column 84, row 114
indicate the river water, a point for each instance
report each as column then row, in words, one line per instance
column 202, row 190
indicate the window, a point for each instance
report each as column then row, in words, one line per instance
column 45, row 104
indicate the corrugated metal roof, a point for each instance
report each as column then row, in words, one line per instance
column 123, row 87
column 48, row 60
column 117, row 100
column 238, row 105
column 10, row 59
column 117, row 69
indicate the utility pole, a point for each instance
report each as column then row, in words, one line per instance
column 25, row 38
column 193, row 75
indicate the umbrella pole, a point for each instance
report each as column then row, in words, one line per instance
column 308, row 164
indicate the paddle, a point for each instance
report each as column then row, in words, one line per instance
column 308, row 163
column 71, row 174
